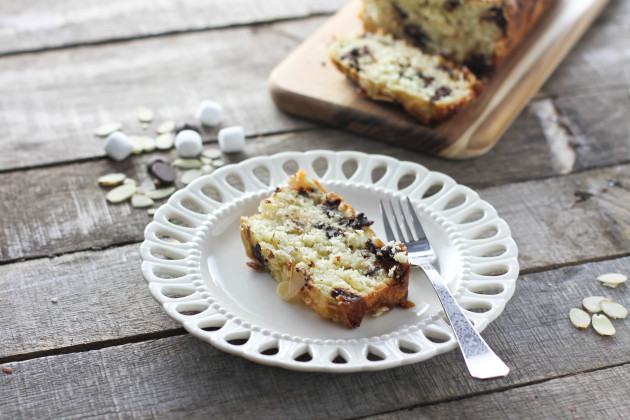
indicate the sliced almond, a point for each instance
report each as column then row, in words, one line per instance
column 165, row 127
column 151, row 212
column 138, row 145
column 212, row 153
column 612, row 279
column 145, row 114
column 190, row 176
column 593, row 303
column 580, row 319
column 141, row 201
column 161, row 193
column 187, row 163
column 111, row 180
column 107, row 129
column 165, row 141
column 207, row 169
column 614, row 310
column 121, row 193
column 217, row 163
column 130, row 181
column 602, row 325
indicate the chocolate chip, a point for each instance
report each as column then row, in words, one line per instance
column 447, row 69
column 495, row 14
column 330, row 230
column 417, row 34
column 163, row 172
column 440, row 93
column 257, row 252
column 478, row 65
column 342, row 295
column 427, row 79
column 360, row 221
column 186, row 126
column 372, row 271
column 451, row 5
column 331, row 206
column 153, row 161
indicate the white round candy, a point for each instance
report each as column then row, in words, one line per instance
column 118, row 146
column 232, row 139
column 188, row 143
column 209, row 113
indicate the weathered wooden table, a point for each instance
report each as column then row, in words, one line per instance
column 105, row 348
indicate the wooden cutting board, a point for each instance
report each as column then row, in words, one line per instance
column 307, row 84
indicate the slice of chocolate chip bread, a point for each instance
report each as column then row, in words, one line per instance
column 318, row 249
column 475, row 33
column 429, row 87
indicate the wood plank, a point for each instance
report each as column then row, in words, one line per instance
column 182, row 376
column 319, row 92
column 601, row 57
column 73, row 215
column 595, row 395
column 39, row 24
column 63, row 95
column 100, row 297
column 52, row 101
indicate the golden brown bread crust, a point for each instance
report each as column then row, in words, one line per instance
column 427, row 112
column 425, row 109
column 514, row 18
column 520, row 16
column 341, row 305
column 348, row 309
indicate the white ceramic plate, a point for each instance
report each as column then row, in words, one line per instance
column 194, row 262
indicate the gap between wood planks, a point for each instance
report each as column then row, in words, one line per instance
column 120, row 40
column 96, row 345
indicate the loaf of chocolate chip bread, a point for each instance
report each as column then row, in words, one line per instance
column 475, row 33
column 429, row 87
column 319, row 250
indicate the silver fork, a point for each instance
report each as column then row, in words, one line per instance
column 481, row 361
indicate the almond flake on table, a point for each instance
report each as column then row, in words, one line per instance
column 602, row 325
column 142, row 144
column 161, row 193
column 613, row 309
column 580, row 319
column 593, row 303
column 111, row 180
column 217, row 163
column 212, row 153
column 165, row 127
column 141, row 201
column 612, row 279
column 190, row 175
column 121, row 193
column 145, row 114
column 187, row 163
column 106, row 129
column 165, row 141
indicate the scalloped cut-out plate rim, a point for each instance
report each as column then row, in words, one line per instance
column 194, row 262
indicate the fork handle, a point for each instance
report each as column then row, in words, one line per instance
column 481, row 361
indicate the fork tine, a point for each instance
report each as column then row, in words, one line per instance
column 400, row 233
column 410, row 234
column 388, row 229
column 416, row 222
